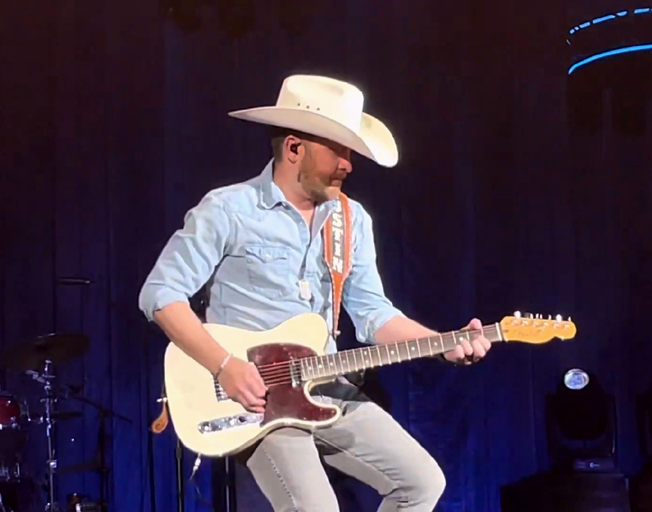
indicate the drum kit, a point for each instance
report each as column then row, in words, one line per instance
column 37, row 360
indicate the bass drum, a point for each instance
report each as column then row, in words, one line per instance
column 12, row 437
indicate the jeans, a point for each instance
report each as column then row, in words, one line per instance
column 365, row 443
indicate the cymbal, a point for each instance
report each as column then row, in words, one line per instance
column 54, row 347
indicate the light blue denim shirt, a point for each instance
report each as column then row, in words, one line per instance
column 256, row 249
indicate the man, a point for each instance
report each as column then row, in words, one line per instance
column 259, row 246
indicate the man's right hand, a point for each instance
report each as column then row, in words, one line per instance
column 242, row 383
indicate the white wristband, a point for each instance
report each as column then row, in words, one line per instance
column 224, row 363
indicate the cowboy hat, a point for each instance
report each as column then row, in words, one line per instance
column 331, row 109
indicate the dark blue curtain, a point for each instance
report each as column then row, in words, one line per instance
column 113, row 123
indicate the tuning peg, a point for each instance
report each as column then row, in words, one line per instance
column 517, row 314
column 558, row 318
column 549, row 317
column 569, row 318
column 530, row 315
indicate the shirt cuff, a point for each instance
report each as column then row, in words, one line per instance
column 155, row 298
column 376, row 320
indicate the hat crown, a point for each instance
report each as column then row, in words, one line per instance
column 332, row 98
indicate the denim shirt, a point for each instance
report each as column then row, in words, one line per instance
column 254, row 249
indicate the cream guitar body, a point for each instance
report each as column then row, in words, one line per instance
column 209, row 423
column 291, row 360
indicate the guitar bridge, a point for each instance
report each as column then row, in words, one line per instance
column 228, row 422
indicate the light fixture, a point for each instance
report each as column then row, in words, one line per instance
column 576, row 379
column 581, row 424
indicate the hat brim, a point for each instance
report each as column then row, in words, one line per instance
column 373, row 140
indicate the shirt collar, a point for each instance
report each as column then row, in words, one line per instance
column 269, row 192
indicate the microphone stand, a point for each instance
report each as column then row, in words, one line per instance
column 178, row 455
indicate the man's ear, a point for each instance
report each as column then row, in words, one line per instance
column 292, row 145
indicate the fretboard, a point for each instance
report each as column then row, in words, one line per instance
column 353, row 360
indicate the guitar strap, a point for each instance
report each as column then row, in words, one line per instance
column 338, row 246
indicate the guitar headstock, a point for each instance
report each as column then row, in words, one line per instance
column 536, row 329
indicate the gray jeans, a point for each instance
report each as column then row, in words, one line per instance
column 365, row 443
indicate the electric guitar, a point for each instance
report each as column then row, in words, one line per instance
column 291, row 360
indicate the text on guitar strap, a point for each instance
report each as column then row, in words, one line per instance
column 338, row 242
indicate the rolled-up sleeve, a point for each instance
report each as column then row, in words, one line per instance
column 189, row 258
column 363, row 296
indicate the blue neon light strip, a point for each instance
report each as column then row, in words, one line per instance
column 604, row 18
column 619, row 51
column 608, row 17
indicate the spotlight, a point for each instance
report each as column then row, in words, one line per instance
column 576, row 379
column 581, row 424
column 581, row 429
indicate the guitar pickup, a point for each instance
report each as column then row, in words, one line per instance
column 229, row 422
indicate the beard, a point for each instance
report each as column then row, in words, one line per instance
column 320, row 188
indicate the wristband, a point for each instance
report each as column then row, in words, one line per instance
column 224, row 363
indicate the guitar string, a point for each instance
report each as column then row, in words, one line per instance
column 281, row 365
column 275, row 371
column 283, row 372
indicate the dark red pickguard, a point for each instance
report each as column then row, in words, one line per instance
column 284, row 400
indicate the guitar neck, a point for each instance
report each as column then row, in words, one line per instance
column 373, row 356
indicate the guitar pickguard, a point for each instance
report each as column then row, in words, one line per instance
column 287, row 401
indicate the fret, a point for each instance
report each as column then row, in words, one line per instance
column 498, row 332
column 430, row 347
column 380, row 359
column 309, row 363
column 397, row 349
column 365, row 361
column 419, row 347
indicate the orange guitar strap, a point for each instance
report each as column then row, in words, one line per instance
column 338, row 246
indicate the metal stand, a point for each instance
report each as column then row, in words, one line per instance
column 178, row 454
column 49, row 400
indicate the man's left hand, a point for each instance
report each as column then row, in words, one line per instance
column 469, row 352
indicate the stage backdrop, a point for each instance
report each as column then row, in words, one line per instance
column 113, row 124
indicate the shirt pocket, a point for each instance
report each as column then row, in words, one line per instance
column 268, row 268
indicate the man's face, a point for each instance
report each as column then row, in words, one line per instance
column 322, row 170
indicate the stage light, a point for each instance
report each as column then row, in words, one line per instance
column 576, row 379
column 581, row 423
column 581, row 430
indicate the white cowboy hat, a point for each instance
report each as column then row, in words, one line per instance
column 331, row 109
